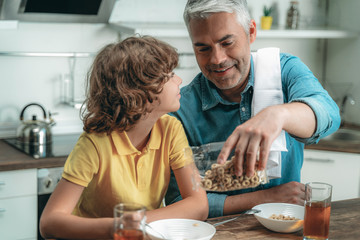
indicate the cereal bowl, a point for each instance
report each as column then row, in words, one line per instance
column 284, row 209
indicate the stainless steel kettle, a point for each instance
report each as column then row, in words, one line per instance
column 34, row 131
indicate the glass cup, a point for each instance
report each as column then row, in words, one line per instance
column 317, row 210
column 129, row 221
column 190, row 163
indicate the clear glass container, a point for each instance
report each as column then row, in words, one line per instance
column 293, row 16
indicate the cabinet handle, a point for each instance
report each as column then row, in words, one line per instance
column 2, row 210
column 327, row 160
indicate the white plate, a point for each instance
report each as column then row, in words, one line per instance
column 181, row 229
column 283, row 226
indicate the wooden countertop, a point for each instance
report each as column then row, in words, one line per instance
column 13, row 159
column 344, row 224
column 337, row 146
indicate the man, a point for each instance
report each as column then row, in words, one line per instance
column 217, row 106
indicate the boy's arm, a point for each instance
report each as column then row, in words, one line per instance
column 193, row 205
column 58, row 222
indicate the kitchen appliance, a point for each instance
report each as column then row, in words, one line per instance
column 34, row 136
column 60, row 146
column 34, row 131
column 60, row 11
column 48, row 178
column 47, row 181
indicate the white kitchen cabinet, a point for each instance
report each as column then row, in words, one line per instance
column 18, row 204
column 341, row 170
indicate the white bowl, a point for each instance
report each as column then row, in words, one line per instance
column 180, row 229
column 286, row 209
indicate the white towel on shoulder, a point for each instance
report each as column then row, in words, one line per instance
column 268, row 92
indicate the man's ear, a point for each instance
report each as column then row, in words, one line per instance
column 252, row 31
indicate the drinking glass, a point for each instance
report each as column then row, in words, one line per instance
column 317, row 210
column 129, row 221
column 190, row 163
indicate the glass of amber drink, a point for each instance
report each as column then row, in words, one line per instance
column 129, row 221
column 317, row 210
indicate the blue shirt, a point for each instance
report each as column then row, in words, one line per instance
column 207, row 118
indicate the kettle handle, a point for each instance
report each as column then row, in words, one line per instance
column 22, row 112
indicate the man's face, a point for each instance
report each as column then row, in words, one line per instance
column 222, row 49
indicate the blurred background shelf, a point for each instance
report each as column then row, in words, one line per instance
column 46, row 54
column 318, row 33
column 176, row 29
column 156, row 29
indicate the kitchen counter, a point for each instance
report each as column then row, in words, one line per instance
column 13, row 159
column 337, row 146
column 344, row 224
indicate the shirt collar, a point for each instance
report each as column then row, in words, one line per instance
column 251, row 75
column 124, row 146
column 209, row 95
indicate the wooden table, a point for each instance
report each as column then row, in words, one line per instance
column 344, row 224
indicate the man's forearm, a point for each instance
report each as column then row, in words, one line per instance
column 299, row 119
column 242, row 202
column 291, row 192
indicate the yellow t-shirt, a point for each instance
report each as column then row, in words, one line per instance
column 105, row 166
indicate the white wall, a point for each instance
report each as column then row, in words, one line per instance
column 38, row 79
column 148, row 10
column 343, row 76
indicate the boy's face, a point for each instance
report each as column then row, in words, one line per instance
column 170, row 95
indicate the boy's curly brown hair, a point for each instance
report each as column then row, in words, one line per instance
column 124, row 78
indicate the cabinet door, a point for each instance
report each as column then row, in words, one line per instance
column 18, row 183
column 18, row 204
column 18, row 218
column 341, row 170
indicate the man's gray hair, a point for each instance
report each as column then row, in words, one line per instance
column 202, row 9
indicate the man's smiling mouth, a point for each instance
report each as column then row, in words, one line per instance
column 221, row 70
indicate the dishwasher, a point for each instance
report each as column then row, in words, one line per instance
column 47, row 179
